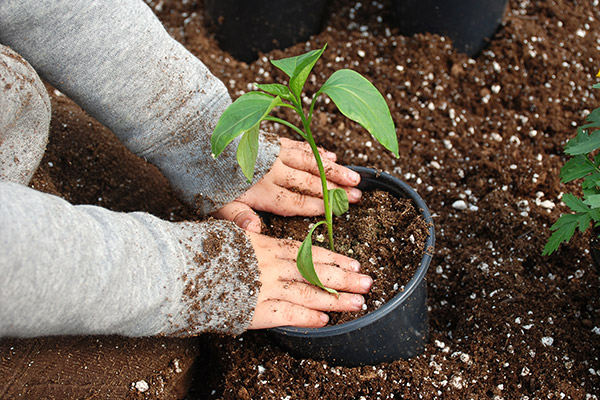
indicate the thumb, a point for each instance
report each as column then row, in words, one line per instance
column 241, row 214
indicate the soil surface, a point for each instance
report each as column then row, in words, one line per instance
column 94, row 367
column 481, row 140
column 385, row 234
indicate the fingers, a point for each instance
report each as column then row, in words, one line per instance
column 285, row 298
column 299, row 304
column 290, row 192
column 294, row 144
column 316, row 299
column 281, row 201
column 272, row 313
column 241, row 214
column 332, row 277
column 335, row 270
column 303, row 182
column 288, row 249
column 308, row 184
column 304, row 160
column 293, row 186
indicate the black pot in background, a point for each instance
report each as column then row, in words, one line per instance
column 397, row 330
column 246, row 27
column 469, row 23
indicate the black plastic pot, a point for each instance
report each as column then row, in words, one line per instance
column 246, row 27
column 469, row 23
column 397, row 330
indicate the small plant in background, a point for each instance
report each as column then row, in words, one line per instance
column 584, row 164
column 355, row 97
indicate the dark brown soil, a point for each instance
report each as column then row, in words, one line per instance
column 386, row 235
column 506, row 323
column 96, row 367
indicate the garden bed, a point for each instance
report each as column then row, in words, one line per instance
column 481, row 140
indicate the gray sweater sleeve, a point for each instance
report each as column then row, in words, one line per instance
column 85, row 270
column 115, row 59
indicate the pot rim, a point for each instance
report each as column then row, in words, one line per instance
column 370, row 174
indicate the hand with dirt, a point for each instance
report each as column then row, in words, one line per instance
column 291, row 187
column 285, row 298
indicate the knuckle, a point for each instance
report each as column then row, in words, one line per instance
column 298, row 200
column 290, row 178
column 288, row 315
column 307, row 158
column 309, row 181
column 308, row 294
column 282, row 204
column 239, row 215
column 330, row 170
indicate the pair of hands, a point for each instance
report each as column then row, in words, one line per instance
column 293, row 187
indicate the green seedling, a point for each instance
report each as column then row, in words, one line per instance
column 584, row 164
column 355, row 97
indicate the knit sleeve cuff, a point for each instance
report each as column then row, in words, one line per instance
column 208, row 183
column 220, row 280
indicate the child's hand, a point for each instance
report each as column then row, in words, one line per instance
column 285, row 298
column 291, row 187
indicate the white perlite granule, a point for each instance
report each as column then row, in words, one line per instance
column 547, row 341
column 142, row 385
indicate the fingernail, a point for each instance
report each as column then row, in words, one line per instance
column 254, row 227
column 330, row 156
column 355, row 265
column 245, row 223
column 324, row 318
column 353, row 176
column 366, row 282
column 355, row 194
column 357, row 301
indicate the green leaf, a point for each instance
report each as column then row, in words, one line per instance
column 593, row 119
column 298, row 68
column 304, row 261
column 276, row 89
column 360, row 101
column 339, row 201
column 564, row 228
column 245, row 113
column 595, row 214
column 592, row 200
column 247, row 151
column 575, row 168
column 583, row 143
column 591, row 183
column 596, row 86
column 575, row 203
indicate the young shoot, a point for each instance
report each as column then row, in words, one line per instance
column 584, row 164
column 354, row 96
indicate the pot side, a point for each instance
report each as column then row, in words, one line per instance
column 397, row 330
